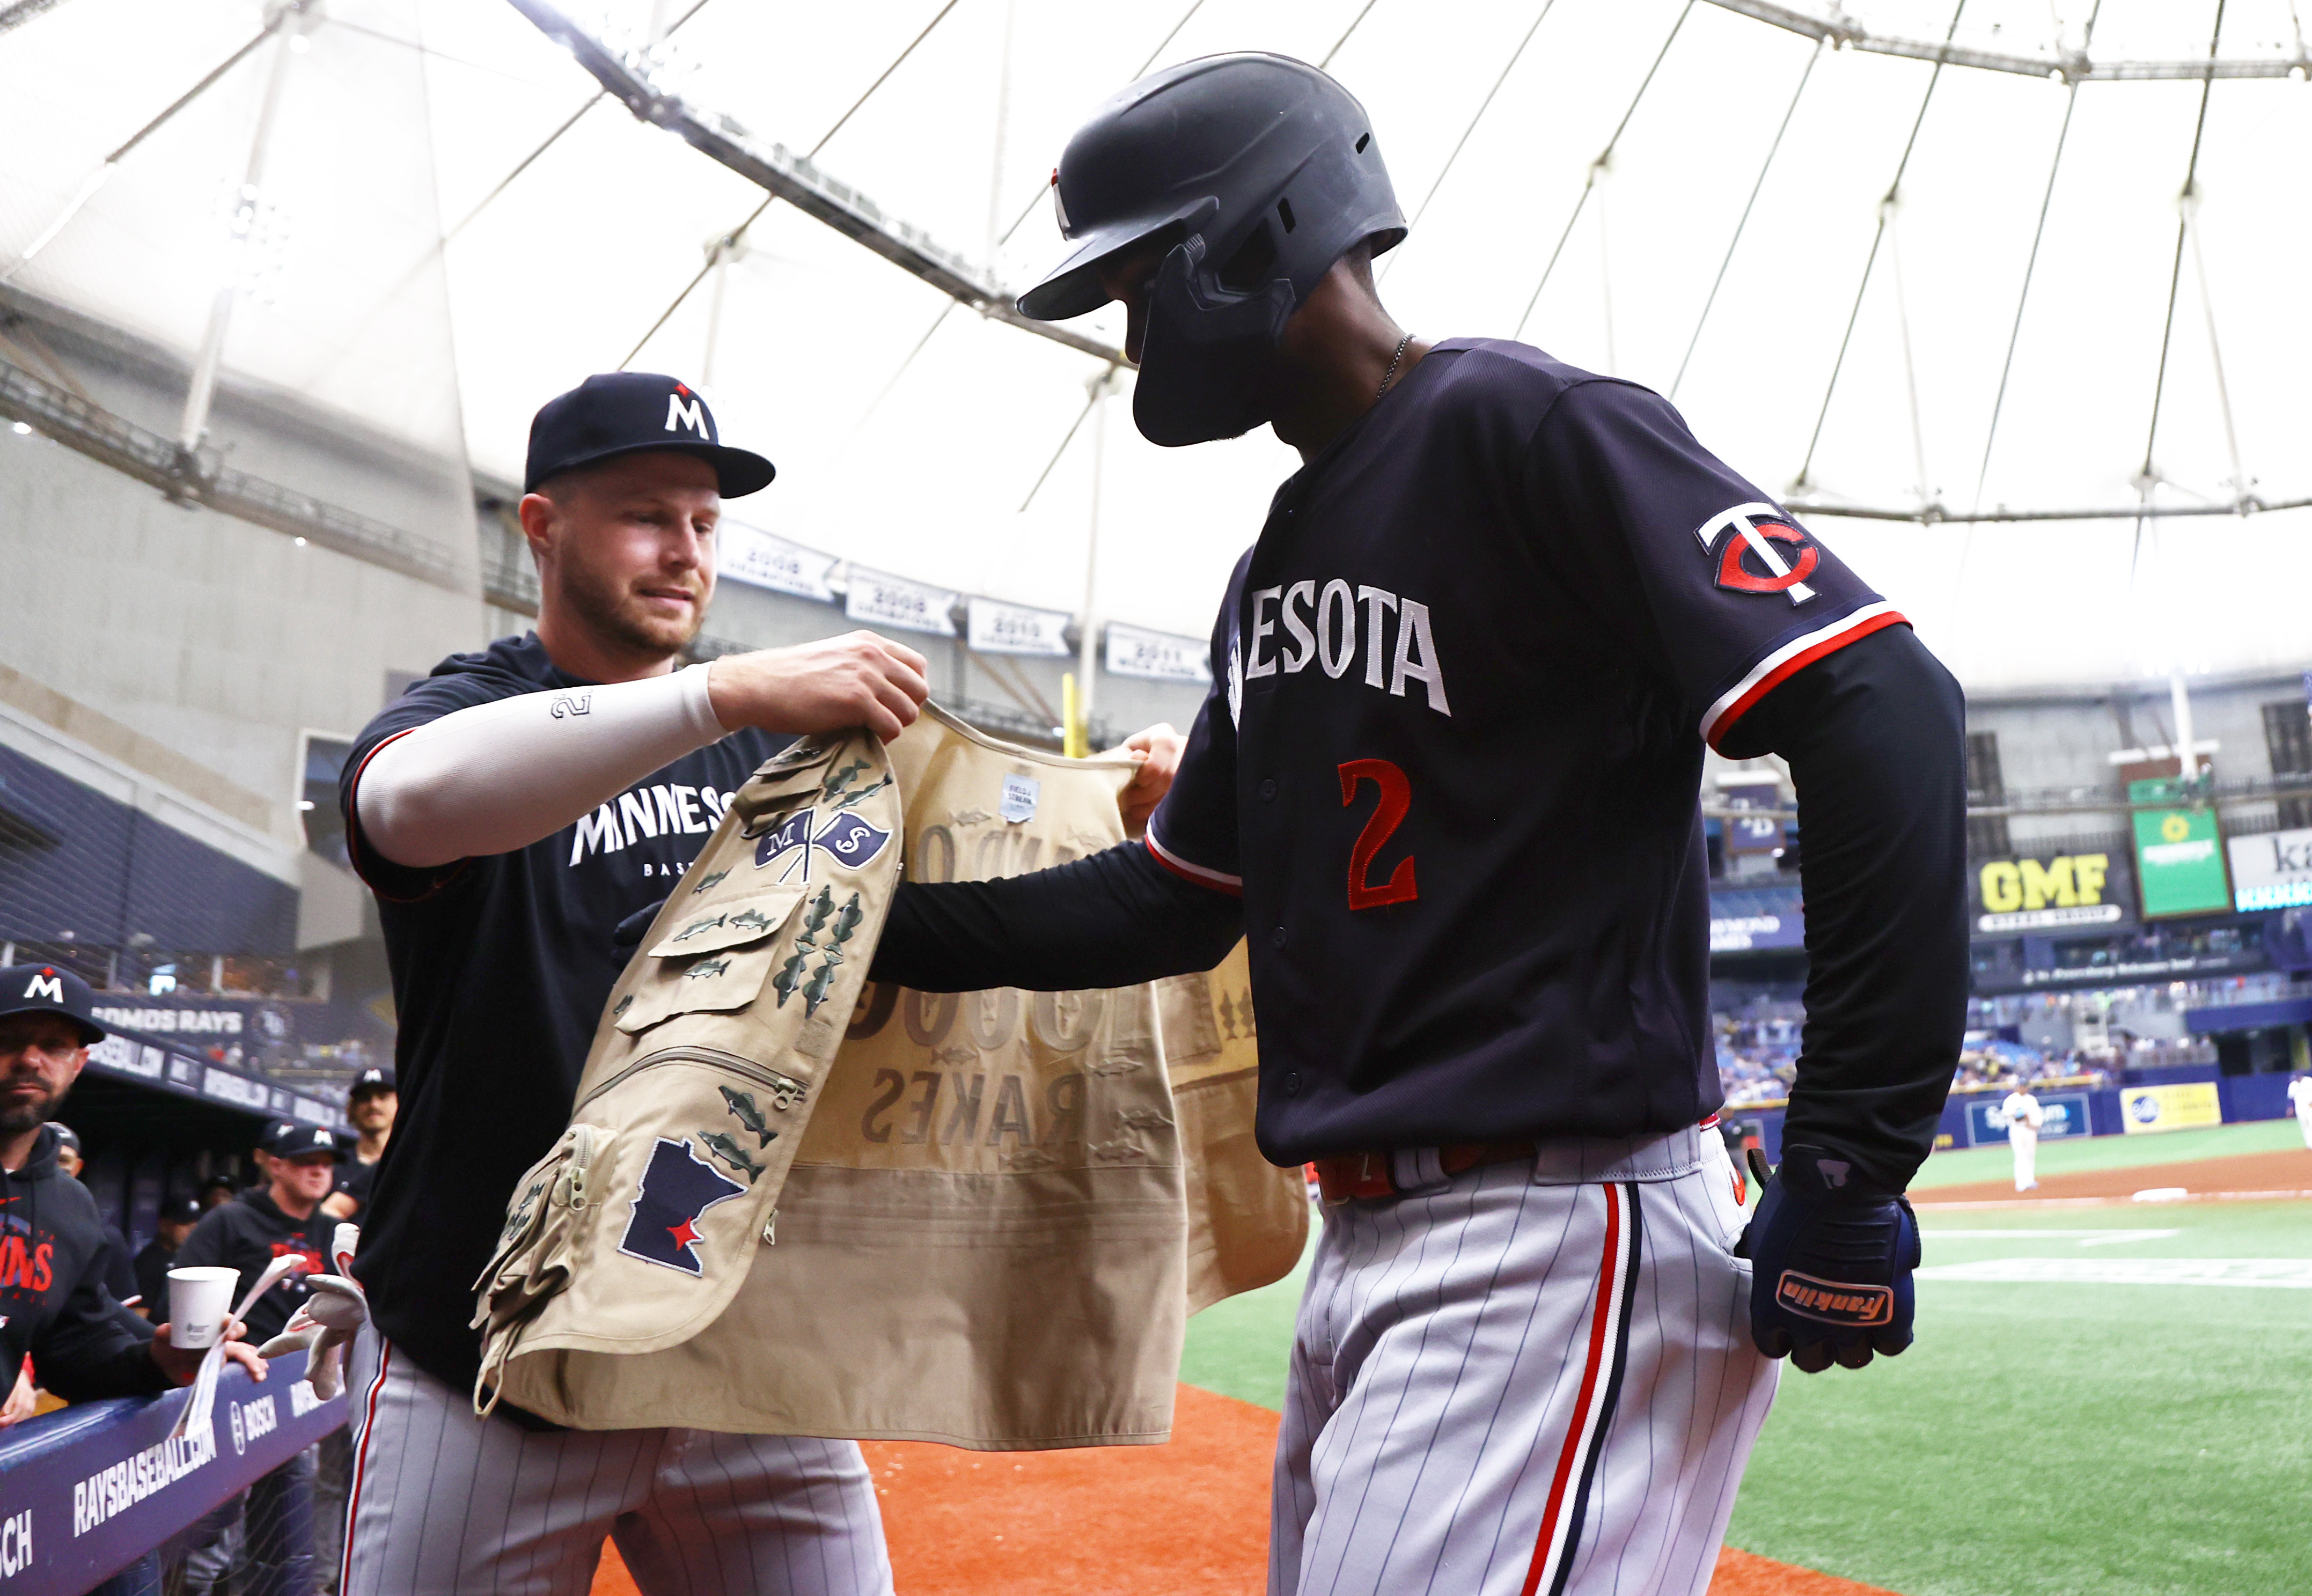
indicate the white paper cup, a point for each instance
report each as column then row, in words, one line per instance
column 200, row 1298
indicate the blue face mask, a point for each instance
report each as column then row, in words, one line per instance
column 1207, row 364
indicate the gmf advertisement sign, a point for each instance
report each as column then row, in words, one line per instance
column 2071, row 890
column 2187, row 1107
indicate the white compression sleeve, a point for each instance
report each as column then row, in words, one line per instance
column 500, row 776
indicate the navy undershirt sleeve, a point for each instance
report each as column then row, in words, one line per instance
column 1876, row 738
column 1113, row 918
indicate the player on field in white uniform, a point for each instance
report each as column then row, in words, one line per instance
column 2024, row 1118
column 2299, row 1098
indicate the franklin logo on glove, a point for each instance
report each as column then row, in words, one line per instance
column 1839, row 1252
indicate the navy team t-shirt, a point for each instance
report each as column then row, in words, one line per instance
column 501, row 967
column 1452, row 754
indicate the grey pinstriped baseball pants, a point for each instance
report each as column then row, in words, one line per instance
column 444, row 1504
column 1529, row 1380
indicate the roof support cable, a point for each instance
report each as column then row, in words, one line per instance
column 2216, row 355
column 1893, row 191
column 2149, row 475
column 731, row 240
column 1354, row 24
column 1749, row 205
column 2031, row 263
column 16, row 15
column 1924, row 488
column 1605, row 286
column 1603, row 162
column 1029, row 209
column 1099, row 391
column 103, row 173
column 553, row 138
column 1484, row 105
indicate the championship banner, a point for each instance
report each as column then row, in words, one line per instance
column 997, row 628
column 750, row 554
column 881, row 599
column 2187, row 1107
column 2067, row 892
column 2273, row 871
column 1159, row 656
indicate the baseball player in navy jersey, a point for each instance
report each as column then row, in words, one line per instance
column 1446, row 783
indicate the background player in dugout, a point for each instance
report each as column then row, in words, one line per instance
column 510, row 812
column 1447, row 782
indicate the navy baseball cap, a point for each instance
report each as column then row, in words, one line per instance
column 285, row 1140
column 372, row 1079
column 624, row 412
column 50, row 989
column 184, row 1210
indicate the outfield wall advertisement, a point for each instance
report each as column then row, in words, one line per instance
column 2186, row 1107
column 2065, row 1114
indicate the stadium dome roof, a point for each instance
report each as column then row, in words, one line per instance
column 1903, row 259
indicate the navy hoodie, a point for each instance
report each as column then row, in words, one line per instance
column 53, row 1300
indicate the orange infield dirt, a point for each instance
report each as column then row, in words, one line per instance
column 2286, row 1173
column 1188, row 1519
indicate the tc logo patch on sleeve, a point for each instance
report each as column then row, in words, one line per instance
column 677, row 1188
column 1758, row 550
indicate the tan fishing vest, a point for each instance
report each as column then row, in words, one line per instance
column 792, row 1202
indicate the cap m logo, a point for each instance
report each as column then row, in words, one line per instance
column 688, row 417
column 1749, row 533
column 46, row 985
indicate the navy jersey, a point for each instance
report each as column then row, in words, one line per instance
column 500, row 967
column 1452, row 756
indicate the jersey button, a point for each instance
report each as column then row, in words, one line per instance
column 1276, row 938
column 1267, row 789
column 1291, row 1083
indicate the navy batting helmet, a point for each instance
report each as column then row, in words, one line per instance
column 1257, row 172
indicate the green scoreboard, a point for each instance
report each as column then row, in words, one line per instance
column 2179, row 851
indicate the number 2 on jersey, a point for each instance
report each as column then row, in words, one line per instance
column 1388, row 814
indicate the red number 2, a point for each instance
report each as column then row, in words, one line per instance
column 1396, row 797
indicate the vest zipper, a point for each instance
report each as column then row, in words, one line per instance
column 767, row 1078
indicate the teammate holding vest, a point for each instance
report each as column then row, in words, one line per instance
column 509, row 812
column 1446, row 783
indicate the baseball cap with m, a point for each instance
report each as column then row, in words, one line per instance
column 624, row 412
column 50, row 989
column 286, row 1139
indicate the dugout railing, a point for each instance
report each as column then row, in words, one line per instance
column 102, row 1492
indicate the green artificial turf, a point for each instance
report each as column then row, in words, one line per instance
column 1239, row 1347
column 2042, row 1439
column 2039, row 1439
column 1964, row 1164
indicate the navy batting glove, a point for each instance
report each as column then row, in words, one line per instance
column 1832, row 1256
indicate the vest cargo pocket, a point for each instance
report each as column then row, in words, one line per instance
column 544, row 1231
column 717, row 958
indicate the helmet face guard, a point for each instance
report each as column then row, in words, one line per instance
column 1208, row 360
column 1267, row 172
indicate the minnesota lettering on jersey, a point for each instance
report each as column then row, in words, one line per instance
column 1324, row 626
column 643, row 811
